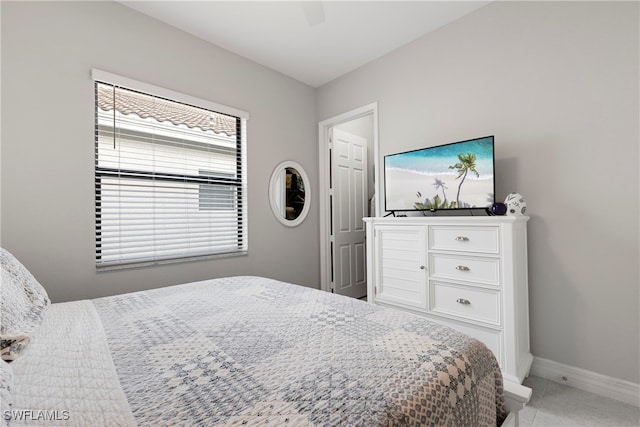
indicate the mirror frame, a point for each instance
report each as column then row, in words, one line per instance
column 272, row 194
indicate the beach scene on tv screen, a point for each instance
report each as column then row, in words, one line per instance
column 452, row 176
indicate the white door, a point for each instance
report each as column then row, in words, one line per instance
column 349, row 200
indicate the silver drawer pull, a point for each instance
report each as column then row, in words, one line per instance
column 462, row 239
column 463, row 301
column 462, row 268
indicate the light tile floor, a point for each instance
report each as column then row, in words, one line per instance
column 555, row 405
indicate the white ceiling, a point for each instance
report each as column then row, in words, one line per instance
column 311, row 41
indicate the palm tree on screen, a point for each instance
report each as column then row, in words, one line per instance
column 467, row 163
column 440, row 184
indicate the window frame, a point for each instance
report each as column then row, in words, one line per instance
column 202, row 179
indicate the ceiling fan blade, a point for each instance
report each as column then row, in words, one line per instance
column 314, row 12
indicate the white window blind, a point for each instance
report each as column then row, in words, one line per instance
column 170, row 179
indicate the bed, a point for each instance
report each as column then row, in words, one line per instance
column 235, row 351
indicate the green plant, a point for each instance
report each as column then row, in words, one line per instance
column 432, row 205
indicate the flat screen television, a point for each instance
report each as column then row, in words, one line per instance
column 451, row 176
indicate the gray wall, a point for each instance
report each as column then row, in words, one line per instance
column 48, row 50
column 557, row 84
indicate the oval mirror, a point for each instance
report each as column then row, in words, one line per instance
column 289, row 193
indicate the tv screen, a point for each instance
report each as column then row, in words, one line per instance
column 452, row 176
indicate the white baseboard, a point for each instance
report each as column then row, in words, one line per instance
column 613, row 388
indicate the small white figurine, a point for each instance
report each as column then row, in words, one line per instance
column 516, row 205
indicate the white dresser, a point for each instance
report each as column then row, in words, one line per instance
column 469, row 273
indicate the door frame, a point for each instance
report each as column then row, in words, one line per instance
column 324, row 134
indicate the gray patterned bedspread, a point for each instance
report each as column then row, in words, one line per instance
column 250, row 350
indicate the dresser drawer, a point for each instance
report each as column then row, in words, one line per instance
column 464, row 239
column 482, row 270
column 465, row 302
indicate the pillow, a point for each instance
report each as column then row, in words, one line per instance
column 23, row 302
column 6, row 402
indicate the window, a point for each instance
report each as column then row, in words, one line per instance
column 216, row 196
column 170, row 179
